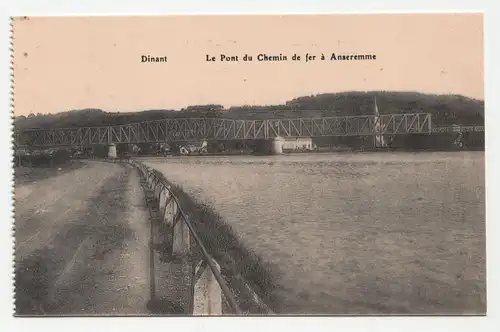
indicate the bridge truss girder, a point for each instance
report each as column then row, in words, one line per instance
column 195, row 129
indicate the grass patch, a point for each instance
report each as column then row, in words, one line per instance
column 240, row 266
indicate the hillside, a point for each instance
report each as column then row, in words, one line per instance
column 445, row 109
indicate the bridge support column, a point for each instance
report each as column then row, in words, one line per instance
column 277, row 145
column 111, row 151
column 270, row 146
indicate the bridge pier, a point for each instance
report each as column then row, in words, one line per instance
column 111, row 151
column 272, row 146
column 277, row 145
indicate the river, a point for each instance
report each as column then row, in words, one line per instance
column 353, row 233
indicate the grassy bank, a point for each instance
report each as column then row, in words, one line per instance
column 249, row 277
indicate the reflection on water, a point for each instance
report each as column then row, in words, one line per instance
column 355, row 233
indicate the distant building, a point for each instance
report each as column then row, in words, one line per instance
column 21, row 152
column 298, row 144
column 136, row 149
column 198, row 147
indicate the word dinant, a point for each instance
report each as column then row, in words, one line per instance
column 149, row 58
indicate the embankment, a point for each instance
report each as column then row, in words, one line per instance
column 249, row 277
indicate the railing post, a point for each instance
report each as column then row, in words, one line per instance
column 207, row 294
column 150, row 182
column 157, row 189
column 180, row 238
column 161, row 200
column 171, row 211
column 181, row 248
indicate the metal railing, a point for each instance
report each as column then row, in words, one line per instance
column 208, row 285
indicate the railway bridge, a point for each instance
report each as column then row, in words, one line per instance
column 197, row 129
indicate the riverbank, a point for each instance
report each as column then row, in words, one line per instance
column 310, row 152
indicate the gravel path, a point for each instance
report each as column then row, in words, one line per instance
column 82, row 243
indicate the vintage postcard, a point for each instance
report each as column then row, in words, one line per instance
column 249, row 165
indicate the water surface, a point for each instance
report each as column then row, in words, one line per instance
column 354, row 233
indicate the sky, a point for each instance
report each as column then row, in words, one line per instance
column 66, row 63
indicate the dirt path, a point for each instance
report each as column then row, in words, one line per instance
column 82, row 243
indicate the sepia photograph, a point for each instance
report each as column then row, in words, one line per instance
column 249, row 165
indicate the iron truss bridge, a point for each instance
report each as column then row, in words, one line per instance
column 196, row 129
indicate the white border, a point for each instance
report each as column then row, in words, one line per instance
column 158, row 7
